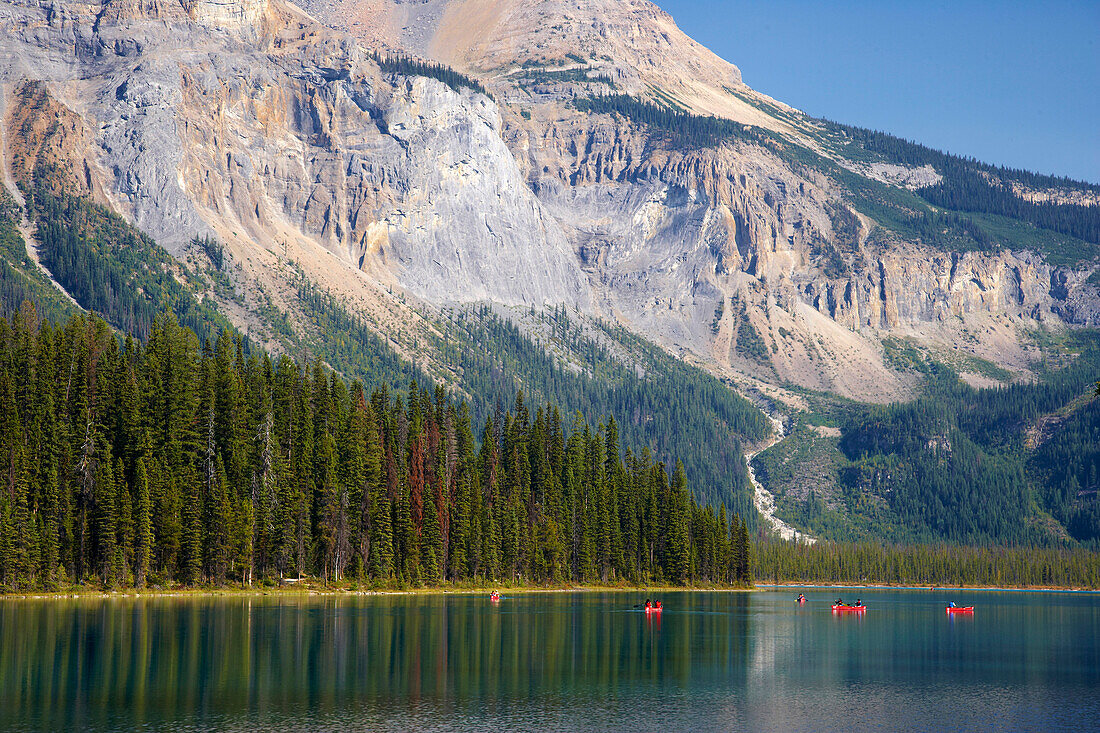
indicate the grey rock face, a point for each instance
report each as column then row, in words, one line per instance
column 250, row 128
column 471, row 229
column 247, row 119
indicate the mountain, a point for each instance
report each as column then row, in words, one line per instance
column 803, row 226
column 381, row 183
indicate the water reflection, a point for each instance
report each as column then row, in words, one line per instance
column 80, row 663
column 548, row 661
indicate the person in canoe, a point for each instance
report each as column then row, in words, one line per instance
column 838, row 602
column 951, row 604
column 801, row 598
column 859, row 603
column 494, row 596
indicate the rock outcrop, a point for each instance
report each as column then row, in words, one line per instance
column 250, row 120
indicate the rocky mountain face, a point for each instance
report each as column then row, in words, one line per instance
column 281, row 138
column 685, row 244
column 280, row 133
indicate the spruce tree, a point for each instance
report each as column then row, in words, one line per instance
column 143, row 524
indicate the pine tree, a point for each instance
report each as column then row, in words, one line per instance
column 106, row 518
column 218, row 525
column 379, row 507
column 679, row 516
column 143, row 525
column 460, row 555
column 125, row 539
column 432, row 542
column 191, row 543
column 744, row 555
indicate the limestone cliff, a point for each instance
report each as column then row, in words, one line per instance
column 284, row 138
column 281, row 137
column 684, row 245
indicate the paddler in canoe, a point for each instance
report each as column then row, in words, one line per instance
column 494, row 596
column 801, row 599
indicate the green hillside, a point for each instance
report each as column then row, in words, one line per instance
column 1015, row 464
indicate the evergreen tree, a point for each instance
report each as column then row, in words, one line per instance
column 143, row 525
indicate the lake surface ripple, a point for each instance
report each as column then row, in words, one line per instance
column 552, row 661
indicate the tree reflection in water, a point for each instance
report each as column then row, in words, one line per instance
column 121, row 663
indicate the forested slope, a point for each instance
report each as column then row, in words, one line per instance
column 1014, row 464
column 114, row 270
column 674, row 409
column 175, row 462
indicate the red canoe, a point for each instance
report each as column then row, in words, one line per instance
column 849, row 609
column 653, row 609
column 960, row 609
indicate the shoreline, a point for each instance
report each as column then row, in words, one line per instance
column 321, row 591
column 887, row 586
column 302, row 591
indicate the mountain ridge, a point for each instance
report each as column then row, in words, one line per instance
column 781, row 254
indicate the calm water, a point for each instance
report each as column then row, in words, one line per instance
column 584, row 661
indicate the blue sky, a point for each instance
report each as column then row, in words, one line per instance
column 1011, row 83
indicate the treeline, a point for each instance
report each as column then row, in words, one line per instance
column 682, row 128
column 912, row 153
column 108, row 266
column 20, row 278
column 971, row 186
column 671, row 407
column 408, row 66
column 926, row 565
column 180, row 463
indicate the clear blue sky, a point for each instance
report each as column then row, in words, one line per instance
column 1012, row 83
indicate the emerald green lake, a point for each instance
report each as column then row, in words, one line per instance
column 553, row 661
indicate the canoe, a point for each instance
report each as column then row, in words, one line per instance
column 849, row 609
column 653, row 609
column 960, row 609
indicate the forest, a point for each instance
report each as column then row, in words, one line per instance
column 966, row 465
column 407, row 66
column 174, row 462
column 971, row 186
column 660, row 402
column 681, row 128
column 926, row 565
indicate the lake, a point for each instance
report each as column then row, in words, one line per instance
column 553, row 661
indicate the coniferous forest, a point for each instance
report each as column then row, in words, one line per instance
column 926, row 565
column 172, row 462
